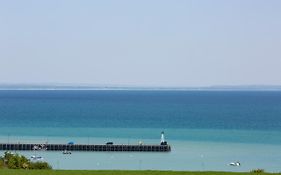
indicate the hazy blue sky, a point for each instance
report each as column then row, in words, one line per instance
column 141, row 43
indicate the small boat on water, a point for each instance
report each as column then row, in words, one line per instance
column 36, row 158
column 66, row 152
column 237, row 163
column 109, row 143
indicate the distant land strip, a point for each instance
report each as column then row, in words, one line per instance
column 139, row 88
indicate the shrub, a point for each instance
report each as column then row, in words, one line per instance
column 258, row 171
column 15, row 161
column 1, row 162
column 39, row 165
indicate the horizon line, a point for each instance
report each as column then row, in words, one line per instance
column 69, row 86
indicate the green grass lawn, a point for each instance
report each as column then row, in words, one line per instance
column 93, row 172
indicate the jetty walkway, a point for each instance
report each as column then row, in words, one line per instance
column 84, row 147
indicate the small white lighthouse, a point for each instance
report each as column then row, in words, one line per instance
column 163, row 142
column 162, row 137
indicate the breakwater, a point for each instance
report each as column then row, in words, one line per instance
column 84, row 147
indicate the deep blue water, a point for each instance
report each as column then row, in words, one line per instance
column 142, row 109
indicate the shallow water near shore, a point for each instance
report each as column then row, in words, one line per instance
column 185, row 155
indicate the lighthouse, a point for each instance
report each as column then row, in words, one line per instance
column 163, row 142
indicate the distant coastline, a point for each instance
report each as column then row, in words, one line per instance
column 139, row 88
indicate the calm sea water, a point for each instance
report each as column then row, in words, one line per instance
column 207, row 130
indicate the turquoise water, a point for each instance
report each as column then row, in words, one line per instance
column 185, row 155
column 206, row 130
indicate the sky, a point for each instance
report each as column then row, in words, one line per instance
column 176, row 43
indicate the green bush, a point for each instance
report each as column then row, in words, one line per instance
column 258, row 171
column 39, row 165
column 1, row 162
column 15, row 161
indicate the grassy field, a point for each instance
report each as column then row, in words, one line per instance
column 93, row 172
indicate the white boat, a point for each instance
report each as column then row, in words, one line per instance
column 237, row 163
column 66, row 152
column 36, row 158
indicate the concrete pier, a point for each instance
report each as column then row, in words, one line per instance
column 84, row 147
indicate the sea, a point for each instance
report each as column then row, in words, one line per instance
column 207, row 130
